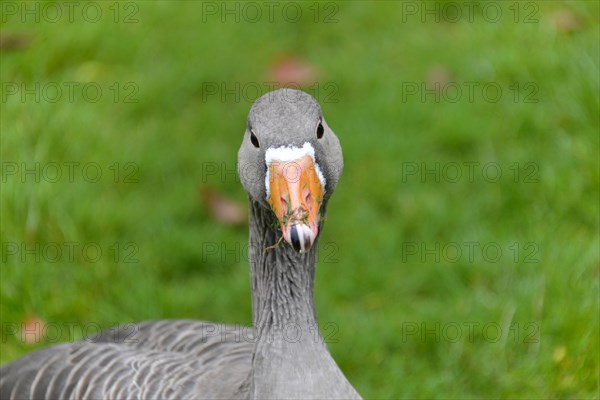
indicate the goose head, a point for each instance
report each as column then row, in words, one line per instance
column 290, row 162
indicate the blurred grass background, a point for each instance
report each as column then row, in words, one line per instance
column 369, row 284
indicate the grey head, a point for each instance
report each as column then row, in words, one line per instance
column 290, row 162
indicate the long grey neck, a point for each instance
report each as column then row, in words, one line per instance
column 290, row 357
column 282, row 279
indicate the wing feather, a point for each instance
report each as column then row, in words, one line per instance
column 150, row 360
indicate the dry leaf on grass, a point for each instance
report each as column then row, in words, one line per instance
column 33, row 329
column 223, row 209
column 564, row 21
column 14, row 41
column 438, row 77
column 290, row 70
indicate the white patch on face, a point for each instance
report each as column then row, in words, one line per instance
column 291, row 153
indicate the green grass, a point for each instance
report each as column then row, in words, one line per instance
column 404, row 325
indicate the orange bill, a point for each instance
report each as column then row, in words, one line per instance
column 295, row 195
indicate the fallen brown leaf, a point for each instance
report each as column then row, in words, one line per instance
column 223, row 209
column 564, row 21
column 32, row 329
column 14, row 41
column 291, row 70
column 437, row 77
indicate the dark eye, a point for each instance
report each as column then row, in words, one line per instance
column 254, row 139
column 320, row 130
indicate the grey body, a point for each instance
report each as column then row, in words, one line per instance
column 154, row 360
column 282, row 356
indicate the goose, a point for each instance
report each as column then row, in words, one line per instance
column 289, row 162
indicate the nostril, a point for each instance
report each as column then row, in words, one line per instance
column 308, row 198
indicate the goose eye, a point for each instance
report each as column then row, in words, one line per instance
column 254, row 139
column 320, row 130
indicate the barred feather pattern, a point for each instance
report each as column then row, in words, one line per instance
column 152, row 360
